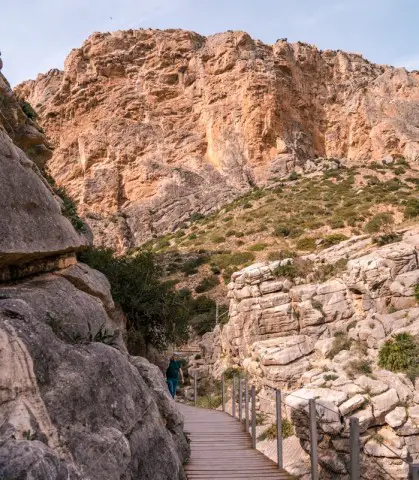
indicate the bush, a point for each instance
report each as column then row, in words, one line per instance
column 412, row 208
column 340, row 342
column 207, row 283
column 306, row 243
column 281, row 255
column 225, row 260
column 196, row 216
column 387, row 238
column 217, row 239
column 156, row 313
column 230, row 371
column 293, row 176
column 28, row 110
column 190, row 267
column 358, row 367
column 379, row 222
column 69, row 210
column 329, row 270
column 287, row 430
column 399, row 354
column 336, row 223
column 291, row 270
column 211, row 402
column 257, row 247
column 333, row 239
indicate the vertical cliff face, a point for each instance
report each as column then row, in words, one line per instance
column 150, row 126
column 73, row 403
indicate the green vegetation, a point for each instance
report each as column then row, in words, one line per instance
column 209, row 401
column 293, row 269
column 380, row 222
column 333, row 239
column 208, row 283
column 412, row 208
column 340, row 342
column 28, row 110
column 156, row 313
column 306, row 244
column 387, row 238
column 358, row 367
column 400, row 354
column 287, row 430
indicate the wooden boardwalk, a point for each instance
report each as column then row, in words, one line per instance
column 220, row 449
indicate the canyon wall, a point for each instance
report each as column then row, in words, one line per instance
column 320, row 338
column 150, row 126
column 73, row 403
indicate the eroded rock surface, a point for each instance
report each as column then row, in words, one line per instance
column 321, row 341
column 74, row 405
column 198, row 120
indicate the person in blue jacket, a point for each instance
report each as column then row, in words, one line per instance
column 172, row 374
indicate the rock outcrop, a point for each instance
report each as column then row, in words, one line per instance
column 151, row 126
column 73, row 403
column 321, row 341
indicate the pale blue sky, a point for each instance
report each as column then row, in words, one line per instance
column 36, row 35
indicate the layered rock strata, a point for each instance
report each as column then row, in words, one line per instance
column 150, row 126
column 284, row 334
column 73, row 403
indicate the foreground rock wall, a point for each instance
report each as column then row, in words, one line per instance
column 73, row 403
column 283, row 334
column 195, row 121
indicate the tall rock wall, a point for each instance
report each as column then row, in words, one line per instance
column 321, row 340
column 150, row 126
column 73, row 403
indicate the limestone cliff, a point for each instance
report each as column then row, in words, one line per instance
column 73, row 403
column 150, row 126
column 320, row 338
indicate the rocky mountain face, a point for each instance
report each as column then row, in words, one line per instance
column 151, row 126
column 73, row 403
column 320, row 338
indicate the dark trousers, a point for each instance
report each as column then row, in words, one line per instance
column 172, row 383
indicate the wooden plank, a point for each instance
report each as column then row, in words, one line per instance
column 221, row 450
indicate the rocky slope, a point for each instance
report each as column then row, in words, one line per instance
column 73, row 403
column 314, row 335
column 151, row 126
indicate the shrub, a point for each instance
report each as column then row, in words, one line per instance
column 217, row 239
column 417, row 292
column 333, row 239
column 287, row 430
column 293, row 176
column 330, row 377
column 247, row 205
column 209, row 401
column 291, row 270
column 281, row 255
column 196, row 216
column 358, row 367
column 379, row 222
column 340, row 342
column 190, row 267
column 412, row 208
column 257, row 247
column 387, row 238
column 336, row 223
column 192, row 236
column 69, row 210
column 329, row 270
column 156, row 313
column 399, row 354
column 207, row 283
column 306, row 244
column 28, row 110
column 230, row 371
column 225, row 260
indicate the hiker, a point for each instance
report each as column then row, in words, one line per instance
column 172, row 374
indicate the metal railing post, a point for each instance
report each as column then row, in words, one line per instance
column 414, row 471
column 195, row 388
column 240, row 398
column 279, row 429
column 354, row 448
column 253, row 417
column 246, row 404
column 233, row 398
column 313, row 440
column 222, row 393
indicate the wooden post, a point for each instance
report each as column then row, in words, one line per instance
column 222, row 392
column 279, row 429
column 313, row 440
column 195, row 388
column 354, row 448
column 233, row 399
column 246, row 404
column 240, row 398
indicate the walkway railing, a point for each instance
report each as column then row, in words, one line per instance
column 243, row 408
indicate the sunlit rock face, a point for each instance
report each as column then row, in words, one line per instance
column 150, row 126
